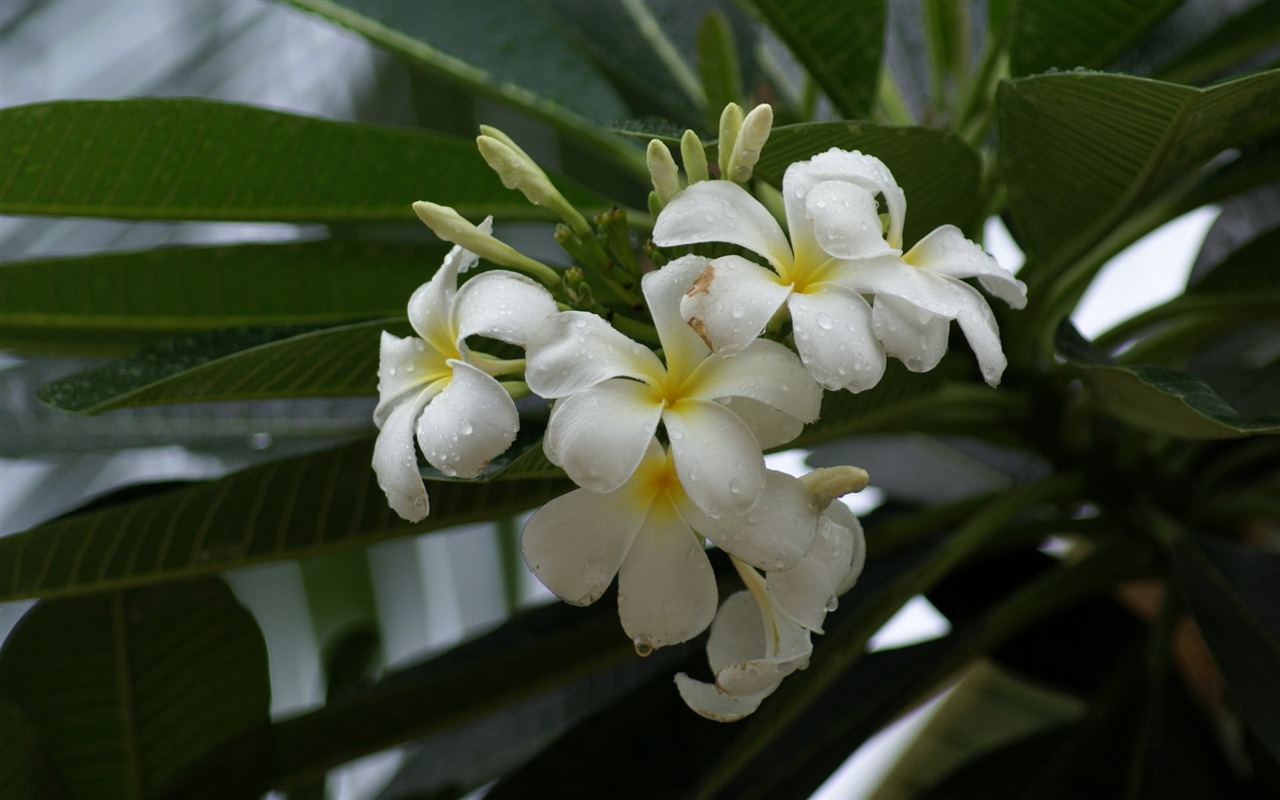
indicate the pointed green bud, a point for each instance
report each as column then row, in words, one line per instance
column 730, row 124
column 452, row 227
column 694, row 157
column 826, row 484
column 662, row 171
column 751, row 138
column 519, row 172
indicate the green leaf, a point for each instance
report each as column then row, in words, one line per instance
column 509, row 50
column 1081, row 152
column 939, row 173
column 1049, row 34
column 127, row 689
column 197, row 159
column 1252, row 31
column 1231, row 592
column 232, row 364
column 1159, row 399
column 120, row 301
column 25, row 770
column 838, row 43
column 718, row 63
column 296, row 507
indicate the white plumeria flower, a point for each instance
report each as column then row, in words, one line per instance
column 838, row 252
column 762, row 635
column 644, row 532
column 436, row 389
column 718, row 413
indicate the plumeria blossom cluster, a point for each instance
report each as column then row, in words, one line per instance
column 662, row 421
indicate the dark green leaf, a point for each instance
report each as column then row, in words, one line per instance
column 1081, row 151
column 291, row 508
column 1231, row 591
column 119, row 301
column 718, row 63
column 1160, row 399
column 197, row 159
column 127, row 689
column 1251, row 269
column 1049, row 34
column 25, row 770
column 1252, row 31
column 233, row 364
column 938, row 172
column 838, row 43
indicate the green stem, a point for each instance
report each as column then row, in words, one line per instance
column 889, row 102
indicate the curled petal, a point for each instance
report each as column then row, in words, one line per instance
column 429, row 305
column 846, row 525
column 946, row 251
column 600, row 434
column 773, row 535
column 845, row 220
column 918, row 340
column 891, row 276
column 731, row 302
column 716, row 456
column 404, row 366
column 771, row 427
column 835, row 339
column 663, row 291
column 708, row 701
column 766, row 372
column 576, row 543
column 469, row 424
column 395, row 460
column 574, row 350
column 807, row 591
column 722, row 211
column 781, row 647
column 980, row 328
column 666, row 588
column 502, row 305
column 859, row 169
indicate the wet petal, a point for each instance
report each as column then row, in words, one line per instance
column 892, row 276
column 576, row 543
column 469, row 424
column 722, row 211
column 404, row 366
column 666, row 588
column 731, row 302
column 862, row 170
column 764, row 668
column 835, row 339
column 918, row 344
column 807, row 591
column 708, row 701
column 766, row 372
column 395, row 460
column 663, row 291
column 770, row 426
column 429, row 305
column 502, row 305
column 980, row 328
column 574, row 350
column 773, row 535
column 599, row 435
column 845, row 220
column 946, row 251
column 839, row 515
column 716, row 456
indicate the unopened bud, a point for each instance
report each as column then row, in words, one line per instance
column 751, row 138
column 518, row 171
column 730, row 124
column 694, row 157
column 827, row 483
column 662, row 171
column 451, row 226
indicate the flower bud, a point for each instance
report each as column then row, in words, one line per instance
column 751, row 138
column 730, row 124
column 826, row 484
column 694, row 157
column 662, row 171
column 449, row 225
column 518, row 171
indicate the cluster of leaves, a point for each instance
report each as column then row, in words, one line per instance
column 1151, row 449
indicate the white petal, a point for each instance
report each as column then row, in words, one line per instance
column 862, row 170
column 766, row 372
column 395, row 460
column 574, row 350
column 501, row 305
column 845, row 220
column 838, row 514
column 663, row 291
column 765, row 668
column 722, row 211
column 600, row 434
column 738, row 633
column 891, row 275
column 708, row 701
column 946, row 251
column 716, row 456
column 835, row 339
column 773, row 535
column 980, row 328
column 807, row 591
column 666, row 588
column 919, row 345
column 576, row 543
column 771, row 427
column 430, row 304
column 404, row 366
column 469, row 424
column 731, row 302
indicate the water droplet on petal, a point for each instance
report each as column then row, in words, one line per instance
column 643, row 646
column 824, row 321
column 735, row 486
